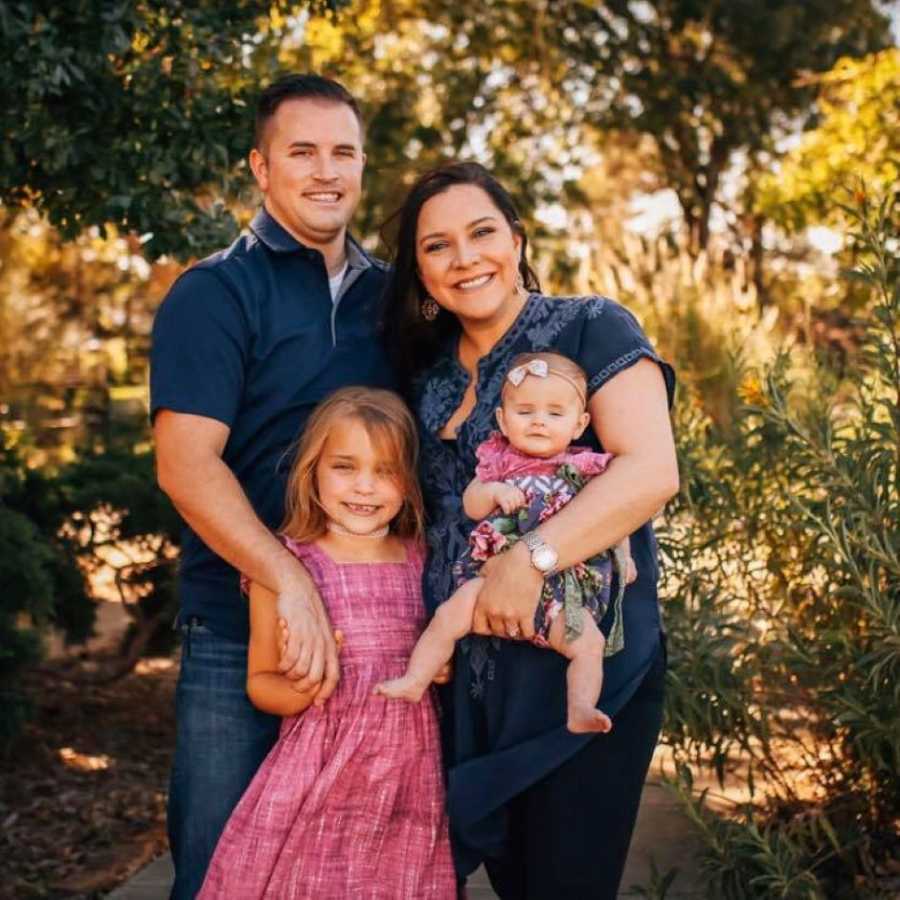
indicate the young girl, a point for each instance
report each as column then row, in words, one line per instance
column 350, row 801
column 531, row 471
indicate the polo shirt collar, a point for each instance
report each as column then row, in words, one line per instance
column 279, row 240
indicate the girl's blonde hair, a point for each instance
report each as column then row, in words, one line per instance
column 392, row 430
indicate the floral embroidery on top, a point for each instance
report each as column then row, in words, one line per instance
column 597, row 333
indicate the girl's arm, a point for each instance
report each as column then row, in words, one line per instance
column 267, row 688
column 481, row 498
column 630, row 416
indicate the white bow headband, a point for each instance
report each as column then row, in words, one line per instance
column 541, row 369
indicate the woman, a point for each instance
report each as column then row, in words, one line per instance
column 550, row 813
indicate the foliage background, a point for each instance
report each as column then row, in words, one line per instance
column 719, row 167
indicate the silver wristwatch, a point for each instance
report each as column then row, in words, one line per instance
column 543, row 557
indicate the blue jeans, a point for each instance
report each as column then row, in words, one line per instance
column 221, row 741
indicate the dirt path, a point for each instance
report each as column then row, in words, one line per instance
column 82, row 791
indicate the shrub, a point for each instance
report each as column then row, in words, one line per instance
column 102, row 511
column 783, row 561
column 41, row 581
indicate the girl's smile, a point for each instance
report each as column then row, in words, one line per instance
column 357, row 486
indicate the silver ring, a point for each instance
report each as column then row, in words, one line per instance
column 512, row 631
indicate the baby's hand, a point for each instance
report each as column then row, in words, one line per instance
column 508, row 497
column 630, row 570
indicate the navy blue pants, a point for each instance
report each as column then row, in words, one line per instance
column 569, row 833
column 221, row 742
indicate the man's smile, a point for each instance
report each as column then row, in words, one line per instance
column 325, row 197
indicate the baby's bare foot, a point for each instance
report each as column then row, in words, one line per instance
column 405, row 688
column 586, row 719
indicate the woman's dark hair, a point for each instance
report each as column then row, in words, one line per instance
column 303, row 86
column 413, row 343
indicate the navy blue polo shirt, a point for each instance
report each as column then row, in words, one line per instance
column 251, row 337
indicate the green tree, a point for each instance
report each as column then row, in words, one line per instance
column 132, row 112
column 529, row 87
column 855, row 143
column 533, row 88
column 715, row 83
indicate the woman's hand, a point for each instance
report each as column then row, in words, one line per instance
column 508, row 600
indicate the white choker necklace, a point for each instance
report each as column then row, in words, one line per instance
column 339, row 529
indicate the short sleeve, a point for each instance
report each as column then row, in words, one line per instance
column 199, row 352
column 611, row 341
column 589, row 463
column 490, row 455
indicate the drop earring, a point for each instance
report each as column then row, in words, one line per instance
column 430, row 309
column 520, row 282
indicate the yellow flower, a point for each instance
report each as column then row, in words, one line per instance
column 751, row 391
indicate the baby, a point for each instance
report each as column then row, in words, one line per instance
column 523, row 477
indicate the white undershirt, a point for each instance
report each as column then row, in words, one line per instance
column 334, row 282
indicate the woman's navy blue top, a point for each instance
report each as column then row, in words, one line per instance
column 504, row 712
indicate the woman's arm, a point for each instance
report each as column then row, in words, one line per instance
column 267, row 688
column 630, row 416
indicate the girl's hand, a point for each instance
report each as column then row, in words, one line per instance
column 508, row 497
column 509, row 597
column 444, row 675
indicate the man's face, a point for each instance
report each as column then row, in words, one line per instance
column 310, row 169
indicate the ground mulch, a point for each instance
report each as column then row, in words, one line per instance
column 83, row 788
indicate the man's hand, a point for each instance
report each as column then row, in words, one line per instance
column 508, row 600
column 308, row 649
column 508, row 497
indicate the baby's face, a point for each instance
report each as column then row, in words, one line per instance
column 541, row 416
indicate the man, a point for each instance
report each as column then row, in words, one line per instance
column 244, row 346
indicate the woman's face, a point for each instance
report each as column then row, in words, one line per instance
column 468, row 256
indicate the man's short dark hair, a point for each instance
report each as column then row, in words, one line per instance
column 300, row 87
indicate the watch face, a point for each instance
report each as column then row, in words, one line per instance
column 544, row 558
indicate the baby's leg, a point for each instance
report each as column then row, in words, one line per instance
column 452, row 620
column 584, row 677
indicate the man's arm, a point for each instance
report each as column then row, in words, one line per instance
column 206, row 493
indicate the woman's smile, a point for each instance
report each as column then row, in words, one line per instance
column 468, row 257
column 473, row 284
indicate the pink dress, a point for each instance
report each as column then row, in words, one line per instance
column 350, row 802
